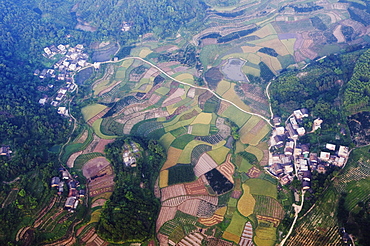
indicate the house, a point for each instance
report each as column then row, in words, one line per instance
column 304, row 112
column 70, row 202
column 306, row 185
column 292, row 132
column 276, row 121
column 298, row 114
column 288, row 169
column 306, row 175
column 294, row 122
column 276, row 169
column 47, row 51
column 321, row 168
column 313, row 158
column 305, row 149
column 79, row 47
column 324, row 156
column 54, row 103
column 59, row 97
column 65, row 174
column 36, row 72
column 61, row 187
column 317, row 124
column 301, row 131
column 42, row 101
column 303, row 165
column 43, row 74
column 63, row 111
column 82, row 193
column 280, row 131
column 55, row 181
column 72, row 185
column 343, row 151
column 330, row 146
column 62, row 48
column 286, row 179
column 5, row 150
column 297, row 150
column 279, row 140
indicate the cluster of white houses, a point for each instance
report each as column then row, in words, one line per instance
column 130, row 154
column 74, row 195
column 71, row 59
column 291, row 159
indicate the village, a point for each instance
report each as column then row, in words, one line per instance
column 75, row 195
column 289, row 159
column 69, row 61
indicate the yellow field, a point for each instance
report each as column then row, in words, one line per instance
column 265, row 236
column 255, row 151
column 186, row 152
column 254, row 58
column 91, row 110
column 250, row 49
column 231, row 96
column 202, row 118
column 166, row 140
column 222, row 87
column 185, row 77
column 171, row 108
column 221, row 211
column 275, row 44
column 236, row 55
column 251, row 70
column 246, row 202
column 162, row 90
column 163, row 178
column 96, row 127
column 219, row 154
column 254, row 139
column 247, row 127
column 179, row 124
column 265, row 31
column 102, row 86
column 289, row 44
column 272, row 62
column 173, row 155
column 235, row 228
column 95, row 216
column 127, row 63
column 144, row 52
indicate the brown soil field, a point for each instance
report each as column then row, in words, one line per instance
column 93, row 166
column 101, row 145
column 166, row 214
column 255, row 130
column 97, row 192
column 204, row 164
column 190, row 206
column 223, row 106
column 227, row 169
column 72, row 158
column 254, row 172
column 172, row 191
column 236, row 194
column 196, row 187
column 98, row 203
column 106, row 183
column 83, row 137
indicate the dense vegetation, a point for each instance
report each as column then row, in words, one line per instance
column 131, row 212
column 357, row 94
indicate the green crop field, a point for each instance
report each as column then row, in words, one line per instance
column 91, row 110
column 166, row 140
column 237, row 224
column 262, row 187
column 182, row 141
column 96, row 126
column 200, row 130
column 186, row 153
column 235, row 115
column 219, row 154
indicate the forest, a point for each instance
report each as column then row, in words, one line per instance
column 131, row 212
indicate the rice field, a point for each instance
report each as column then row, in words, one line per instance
column 248, row 126
column 289, row 44
column 186, row 153
column 255, row 151
column 200, row 129
column 262, row 187
column 91, row 110
column 235, row 228
column 272, row 62
column 163, row 178
column 202, row 118
column 173, row 155
column 254, row 138
column 145, row 52
column 127, row 63
column 231, row 96
column 265, row 31
column 247, row 202
column 219, row 154
column 265, row 236
column 166, row 140
column 235, row 115
column 185, row 77
column 223, row 86
column 96, row 127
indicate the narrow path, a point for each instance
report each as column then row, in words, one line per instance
column 297, row 209
column 269, row 98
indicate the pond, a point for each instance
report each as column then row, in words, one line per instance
column 233, row 70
